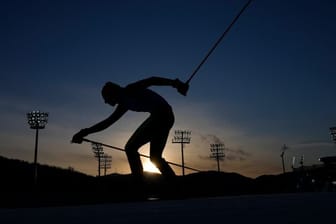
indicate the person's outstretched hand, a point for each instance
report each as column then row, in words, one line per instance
column 78, row 137
column 181, row 87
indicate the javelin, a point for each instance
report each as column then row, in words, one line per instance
column 218, row 41
column 143, row 155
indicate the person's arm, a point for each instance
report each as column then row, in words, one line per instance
column 116, row 115
column 159, row 81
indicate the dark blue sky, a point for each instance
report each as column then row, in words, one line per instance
column 271, row 81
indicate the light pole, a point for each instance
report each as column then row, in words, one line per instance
column 37, row 120
column 106, row 162
column 97, row 149
column 284, row 148
column 217, row 152
column 182, row 137
column 333, row 133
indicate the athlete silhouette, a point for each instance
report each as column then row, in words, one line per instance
column 154, row 130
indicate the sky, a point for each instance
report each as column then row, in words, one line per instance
column 270, row 82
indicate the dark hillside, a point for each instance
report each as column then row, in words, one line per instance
column 17, row 175
column 58, row 186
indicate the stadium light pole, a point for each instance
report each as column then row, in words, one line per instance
column 97, row 149
column 182, row 137
column 106, row 162
column 217, row 152
column 37, row 120
column 333, row 134
column 284, row 148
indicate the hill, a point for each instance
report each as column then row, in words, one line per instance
column 58, row 186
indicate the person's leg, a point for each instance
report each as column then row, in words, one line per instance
column 158, row 143
column 156, row 148
column 140, row 137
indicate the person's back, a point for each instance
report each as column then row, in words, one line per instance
column 143, row 100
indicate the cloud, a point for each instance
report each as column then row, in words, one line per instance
column 231, row 154
column 211, row 139
column 308, row 144
column 237, row 154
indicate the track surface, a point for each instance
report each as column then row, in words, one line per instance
column 280, row 208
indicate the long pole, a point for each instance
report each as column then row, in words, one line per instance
column 284, row 148
column 143, row 155
column 105, row 167
column 218, row 41
column 283, row 162
column 35, row 156
column 182, row 145
column 99, row 158
column 217, row 155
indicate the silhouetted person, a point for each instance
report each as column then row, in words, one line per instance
column 155, row 129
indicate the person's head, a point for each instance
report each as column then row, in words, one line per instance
column 110, row 93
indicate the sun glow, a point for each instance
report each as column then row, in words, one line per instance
column 148, row 166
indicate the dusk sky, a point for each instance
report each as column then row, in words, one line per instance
column 270, row 82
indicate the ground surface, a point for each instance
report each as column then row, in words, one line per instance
column 278, row 208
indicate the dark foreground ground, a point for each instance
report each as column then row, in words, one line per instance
column 271, row 208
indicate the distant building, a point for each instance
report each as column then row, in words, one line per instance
column 319, row 177
column 329, row 160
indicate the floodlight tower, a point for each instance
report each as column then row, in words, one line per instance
column 37, row 120
column 97, row 149
column 217, row 152
column 182, row 137
column 302, row 161
column 333, row 134
column 106, row 162
column 284, row 148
